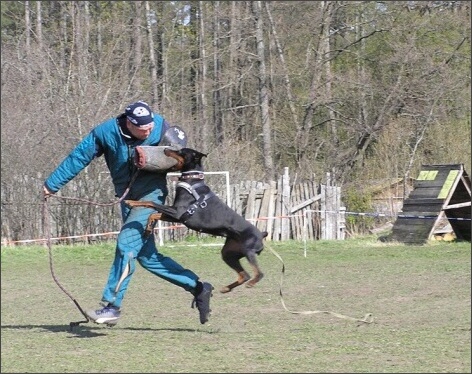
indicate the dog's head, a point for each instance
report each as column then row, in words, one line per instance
column 188, row 159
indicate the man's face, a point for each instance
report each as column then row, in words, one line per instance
column 140, row 132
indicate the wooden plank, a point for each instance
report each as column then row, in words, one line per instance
column 307, row 217
column 312, row 216
column 305, row 203
column 272, row 192
column 459, row 205
column 250, row 206
column 264, row 210
column 297, row 221
column 436, row 184
column 423, row 201
column 306, row 221
column 323, row 212
column 285, row 223
column 304, row 232
column 299, row 215
column 408, row 208
column 417, row 215
column 329, row 216
column 300, row 219
column 276, row 234
column 315, row 221
column 338, row 218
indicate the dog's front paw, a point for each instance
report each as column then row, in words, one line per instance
column 225, row 289
column 129, row 202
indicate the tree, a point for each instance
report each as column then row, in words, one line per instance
column 366, row 90
column 263, row 94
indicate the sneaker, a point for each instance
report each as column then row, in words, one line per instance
column 108, row 315
column 203, row 302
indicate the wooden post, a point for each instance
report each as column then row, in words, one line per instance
column 270, row 197
column 342, row 223
column 285, row 223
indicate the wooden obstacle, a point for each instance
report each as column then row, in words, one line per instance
column 440, row 192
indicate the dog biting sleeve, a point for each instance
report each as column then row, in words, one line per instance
column 152, row 158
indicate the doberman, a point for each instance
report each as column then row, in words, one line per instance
column 198, row 208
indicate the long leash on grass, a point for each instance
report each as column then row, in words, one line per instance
column 46, row 217
column 47, row 230
column 368, row 318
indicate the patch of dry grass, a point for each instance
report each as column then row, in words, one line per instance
column 419, row 298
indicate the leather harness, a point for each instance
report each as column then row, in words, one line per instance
column 200, row 200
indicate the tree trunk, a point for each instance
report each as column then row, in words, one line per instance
column 217, row 115
column 28, row 29
column 263, row 94
column 206, row 137
column 135, row 76
column 152, row 60
column 286, row 78
column 39, row 26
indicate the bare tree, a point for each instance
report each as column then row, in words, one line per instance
column 217, row 114
column 135, row 76
column 370, row 89
column 39, row 25
column 28, row 29
column 152, row 59
column 204, row 116
column 263, row 94
column 286, row 77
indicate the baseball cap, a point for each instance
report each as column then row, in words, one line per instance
column 139, row 113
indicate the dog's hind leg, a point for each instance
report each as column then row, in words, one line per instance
column 231, row 255
column 251, row 257
column 258, row 275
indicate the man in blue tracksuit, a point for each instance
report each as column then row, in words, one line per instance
column 116, row 140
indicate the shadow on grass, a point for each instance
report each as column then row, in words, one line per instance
column 82, row 331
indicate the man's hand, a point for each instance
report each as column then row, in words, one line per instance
column 46, row 193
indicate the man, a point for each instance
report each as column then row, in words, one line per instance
column 116, row 140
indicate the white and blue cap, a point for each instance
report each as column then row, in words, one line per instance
column 139, row 114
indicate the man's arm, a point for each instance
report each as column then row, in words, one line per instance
column 81, row 156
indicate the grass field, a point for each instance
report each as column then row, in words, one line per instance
column 419, row 297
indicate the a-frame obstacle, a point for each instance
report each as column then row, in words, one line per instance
column 440, row 192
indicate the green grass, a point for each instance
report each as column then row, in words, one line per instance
column 419, row 296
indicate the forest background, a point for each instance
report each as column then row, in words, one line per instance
column 365, row 90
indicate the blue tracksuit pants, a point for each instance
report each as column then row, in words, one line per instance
column 132, row 246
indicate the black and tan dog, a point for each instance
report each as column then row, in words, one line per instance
column 198, row 208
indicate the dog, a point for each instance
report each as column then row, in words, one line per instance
column 198, row 208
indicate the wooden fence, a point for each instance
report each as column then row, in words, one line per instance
column 298, row 211
column 301, row 210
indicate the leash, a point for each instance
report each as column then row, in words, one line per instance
column 133, row 178
column 47, row 229
column 368, row 318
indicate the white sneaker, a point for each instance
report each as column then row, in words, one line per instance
column 108, row 314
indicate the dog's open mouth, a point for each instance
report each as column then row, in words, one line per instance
column 176, row 156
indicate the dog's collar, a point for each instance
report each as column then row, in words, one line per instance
column 192, row 175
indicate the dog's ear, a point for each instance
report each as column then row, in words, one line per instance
column 199, row 156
